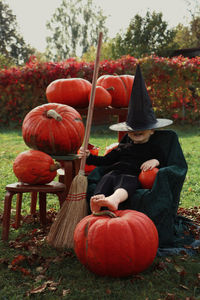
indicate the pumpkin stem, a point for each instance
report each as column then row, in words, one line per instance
column 105, row 213
column 111, row 88
column 55, row 167
column 53, row 114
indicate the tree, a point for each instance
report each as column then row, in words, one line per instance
column 189, row 36
column 106, row 52
column 11, row 43
column 144, row 36
column 74, row 26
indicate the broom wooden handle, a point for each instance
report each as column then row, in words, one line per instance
column 91, row 104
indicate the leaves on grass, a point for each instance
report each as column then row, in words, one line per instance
column 30, row 262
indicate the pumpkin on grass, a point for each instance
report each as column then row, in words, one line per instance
column 119, row 86
column 121, row 245
column 70, row 91
column 56, row 129
column 35, row 167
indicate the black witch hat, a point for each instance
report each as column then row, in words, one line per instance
column 140, row 112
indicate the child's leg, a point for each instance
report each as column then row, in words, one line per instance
column 111, row 202
column 122, row 186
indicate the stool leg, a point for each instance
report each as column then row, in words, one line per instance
column 68, row 177
column 42, row 205
column 18, row 210
column 33, row 202
column 6, row 216
column 61, row 197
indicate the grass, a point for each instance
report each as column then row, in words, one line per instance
column 46, row 273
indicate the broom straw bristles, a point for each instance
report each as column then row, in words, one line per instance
column 75, row 207
column 72, row 211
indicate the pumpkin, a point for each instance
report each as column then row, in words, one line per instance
column 120, row 246
column 70, row 91
column 56, row 129
column 35, row 167
column 119, row 87
column 102, row 97
column 147, row 178
column 95, row 151
column 110, row 148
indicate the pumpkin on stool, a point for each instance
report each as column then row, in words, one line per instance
column 70, row 91
column 116, row 244
column 119, row 86
column 55, row 129
column 35, row 167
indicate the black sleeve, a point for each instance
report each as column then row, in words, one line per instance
column 110, row 158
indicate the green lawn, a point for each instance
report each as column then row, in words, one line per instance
column 46, row 273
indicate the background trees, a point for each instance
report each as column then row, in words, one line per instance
column 73, row 32
column 144, row 36
column 74, row 27
column 12, row 46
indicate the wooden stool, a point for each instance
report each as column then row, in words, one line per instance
column 70, row 167
column 19, row 188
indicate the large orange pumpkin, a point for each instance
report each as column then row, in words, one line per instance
column 121, row 246
column 35, row 167
column 56, row 129
column 70, row 91
column 119, row 86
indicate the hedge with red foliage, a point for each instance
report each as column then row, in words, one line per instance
column 173, row 84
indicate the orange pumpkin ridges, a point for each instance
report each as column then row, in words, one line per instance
column 116, row 247
column 52, row 136
column 119, row 86
column 35, row 167
column 102, row 97
column 69, row 91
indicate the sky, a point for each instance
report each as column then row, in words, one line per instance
column 32, row 15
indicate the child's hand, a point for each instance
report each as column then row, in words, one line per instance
column 149, row 164
column 81, row 153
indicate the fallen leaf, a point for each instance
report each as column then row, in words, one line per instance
column 184, row 287
column 39, row 289
column 170, row 296
column 65, row 292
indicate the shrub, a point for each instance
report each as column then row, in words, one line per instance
column 173, row 84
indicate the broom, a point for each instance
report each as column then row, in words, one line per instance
column 75, row 207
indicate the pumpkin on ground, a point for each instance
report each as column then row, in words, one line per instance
column 102, row 97
column 147, row 178
column 35, row 167
column 119, row 86
column 120, row 246
column 70, row 91
column 56, row 129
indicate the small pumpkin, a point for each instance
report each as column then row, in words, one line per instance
column 119, row 86
column 110, row 148
column 120, row 246
column 70, row 91
column 102, row 97
column 35, row 167
column 147, row 178
column 56, row 129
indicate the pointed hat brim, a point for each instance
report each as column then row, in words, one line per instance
column 123, row 126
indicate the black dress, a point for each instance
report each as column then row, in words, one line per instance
column 122, row 165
